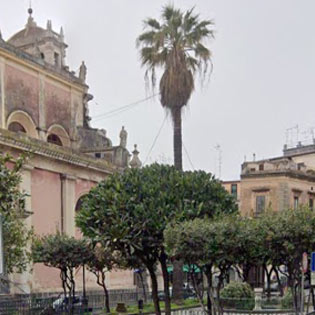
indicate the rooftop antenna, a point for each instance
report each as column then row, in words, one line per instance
column 292, row 136
column 218, row 148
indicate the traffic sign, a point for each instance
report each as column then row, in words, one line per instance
column 313, row 269
column 313, row 262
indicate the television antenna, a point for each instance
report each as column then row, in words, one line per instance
column 219, row 151
column 292, row 136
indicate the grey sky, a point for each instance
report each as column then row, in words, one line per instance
column 262, row 84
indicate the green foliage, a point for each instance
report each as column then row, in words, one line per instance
column 287, row 300
column 16, row 236
column 129, row 212
column 238, row 295
column 175, row 44
column 273, row 238
column 63, row 252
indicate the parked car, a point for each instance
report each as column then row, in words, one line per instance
column 62, row 303
column 187, row 294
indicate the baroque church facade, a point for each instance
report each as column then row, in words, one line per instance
column 44, row 111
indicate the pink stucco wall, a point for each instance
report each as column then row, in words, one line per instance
column 58, row 106
column 21, row 92
column 46, row 204
column 46, row 201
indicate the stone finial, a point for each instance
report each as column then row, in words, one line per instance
column 123, row 137
column 62, row 35
column 135, row 161
column 82, row 72
column 30, row 20
column 49, row 26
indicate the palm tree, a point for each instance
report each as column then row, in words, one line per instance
column 176, row 45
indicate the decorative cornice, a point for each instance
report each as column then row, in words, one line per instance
column 286, row 173
column 42, row 148
column 260, row 189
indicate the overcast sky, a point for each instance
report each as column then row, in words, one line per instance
column 262, row 82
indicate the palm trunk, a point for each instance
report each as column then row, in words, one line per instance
column 177, row 120
column 166, row 284
column 178, row 275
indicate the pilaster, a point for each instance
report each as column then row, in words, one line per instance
column 42, row 108
column 68, row 204
column 2, row 94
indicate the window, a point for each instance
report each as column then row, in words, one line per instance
column 52, row 138
column 42, row 55
column 260, row 204
column 56, row 57
column 311, row 203
column 16, row 127
column 234, row 190
column 296, row 202
column 98, row 155
column 261, row 167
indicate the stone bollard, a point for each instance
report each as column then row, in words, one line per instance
column 258, row 298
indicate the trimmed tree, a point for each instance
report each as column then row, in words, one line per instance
column 65, row 253
column 102, row 261
column 129, row 212
column 16, row 236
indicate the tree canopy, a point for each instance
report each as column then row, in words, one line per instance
column 65, row 253
column 276, row 239
column 129, row 212
column 16, row 236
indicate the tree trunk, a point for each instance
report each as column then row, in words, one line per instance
column 166, row 284
column 178, row 281
column 268, row 275
column 143, row 286
column 177, row 143
column 154, row 290
column 209, row 289
column 279, row 281
column 105, row 293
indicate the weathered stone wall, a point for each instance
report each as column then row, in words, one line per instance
column 58, row 106
column 21, row 92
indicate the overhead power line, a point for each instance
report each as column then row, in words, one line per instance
column 155, row 139
column 189, row 159
column 121, row 109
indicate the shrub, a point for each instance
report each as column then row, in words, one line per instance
column 287, row 300
column 238, row 295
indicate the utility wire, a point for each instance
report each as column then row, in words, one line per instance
column 190, row 162
column 155, row 139
column 121, row 109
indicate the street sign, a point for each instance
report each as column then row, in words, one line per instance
column 313, row 269
column 304, row 262
column 313, row 262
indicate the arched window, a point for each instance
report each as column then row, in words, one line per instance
column 78, row 206
column 16, row 127
column 52, row 138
